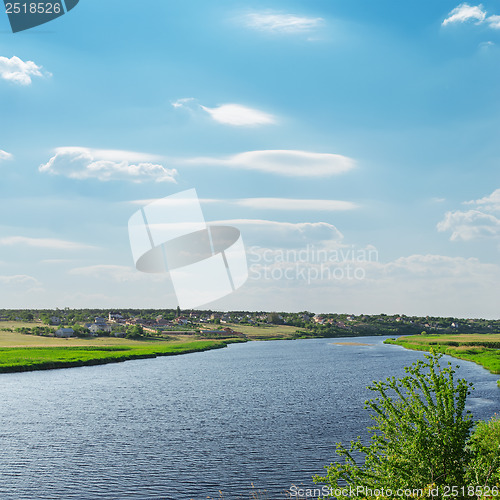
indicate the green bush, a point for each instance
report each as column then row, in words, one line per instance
column 484, row 446
column 419, row 437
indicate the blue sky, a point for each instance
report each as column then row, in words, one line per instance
column 324, row 125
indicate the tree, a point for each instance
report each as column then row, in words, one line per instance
column 135, row 332
column 419, row 437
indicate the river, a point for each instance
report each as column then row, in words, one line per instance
column 192, row 426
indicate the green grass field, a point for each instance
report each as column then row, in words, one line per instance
column 20, row 352
column 482, row 349
column 43, row 358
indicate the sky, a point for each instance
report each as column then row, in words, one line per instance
column 355, row 145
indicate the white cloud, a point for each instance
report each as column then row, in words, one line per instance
column 106, row 165
column 281, row 23
column 4, row 155
column 470, row 225
column 289, row 163
column 18, row 71
column 53, row 244
column 268, row 233
column 293, row 204
column 478, row 222
column 465, row 12
column 489, row 203
column 232, row 114
column 494, row 22
column 239, row 116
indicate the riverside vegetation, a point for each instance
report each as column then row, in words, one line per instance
column 44, row 358
column 423, row 444
column 483, row 349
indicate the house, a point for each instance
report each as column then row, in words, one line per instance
column 64, row 332
column 54, row 320
column 181, row 321
column 99, row 327
column 113, row 316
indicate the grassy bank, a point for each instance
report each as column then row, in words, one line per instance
column 482, row 349
column 25, row 352
column 19, row 359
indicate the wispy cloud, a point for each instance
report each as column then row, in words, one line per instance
column 180, row 103
column 106, row 165
column 20, row 72
column 273, row 204
column 236, row 115
column 4, row 155
column 115, row 273
column 276, row 234
column 19, row 279
column 273, row 22
column 469, row 13
column 49, row 243
column 290, row 163
column 295, row 204
column 490, row 203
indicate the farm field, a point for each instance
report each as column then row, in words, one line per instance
column 23, row 352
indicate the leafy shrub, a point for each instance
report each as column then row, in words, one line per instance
column 419, row 437
column 484, row 446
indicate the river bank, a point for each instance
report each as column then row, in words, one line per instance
column 482, row 349
column 22, row 359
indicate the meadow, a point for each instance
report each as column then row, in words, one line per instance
column 483, row 349
column 22, row 352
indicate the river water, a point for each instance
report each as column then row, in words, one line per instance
column 266, row 414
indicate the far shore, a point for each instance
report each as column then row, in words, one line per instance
column 21, row 352
column 483, row 349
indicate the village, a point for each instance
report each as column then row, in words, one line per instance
column 137, row 323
